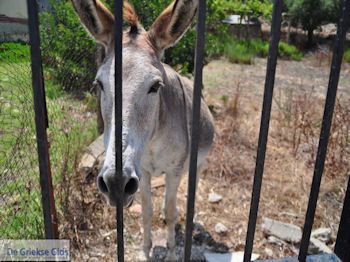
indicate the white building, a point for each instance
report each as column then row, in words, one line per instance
column 14, row 19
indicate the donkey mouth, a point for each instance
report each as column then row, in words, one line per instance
column 127, row 201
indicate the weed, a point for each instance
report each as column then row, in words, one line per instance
column 347, row 55
column 289, row 51
column 300, row 118
column 14, row 52
column 70, row 129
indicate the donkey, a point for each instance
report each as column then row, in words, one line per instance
column 157, row 106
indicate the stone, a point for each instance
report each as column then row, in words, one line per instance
column 220, row 228
column 316, row 247
column 276, row 241
column 227, row 257
column 93, row 152
column 323, row 234
column 108, row 234
column 269, row 252
column 283, row 231
column 214, row 198
column 136, row 210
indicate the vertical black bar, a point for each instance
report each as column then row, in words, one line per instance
column 198, row 83
column 48, row 201
column 326, row 127
column 118, row 35
column 342, row 246
column 264, row 126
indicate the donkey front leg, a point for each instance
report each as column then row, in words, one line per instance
column 147, row 212
column 170, row 211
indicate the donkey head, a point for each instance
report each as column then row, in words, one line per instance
column 143, row 80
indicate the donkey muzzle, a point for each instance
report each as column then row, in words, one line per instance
column 113, row 187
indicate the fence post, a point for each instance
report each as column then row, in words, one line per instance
column 41, row 122
column 198, row 84
column 264, row 126
column 118, row 63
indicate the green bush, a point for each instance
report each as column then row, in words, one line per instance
column 181, row 56
column 14, row 52
column 289, row 51
column 243, row 51
column 347, row 55
column 68, row 52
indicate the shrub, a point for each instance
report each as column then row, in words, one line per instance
column 243, row 51
column 14, row 52
column 289, row 51
column 68, row 51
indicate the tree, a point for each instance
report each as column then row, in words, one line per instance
column 312, row 13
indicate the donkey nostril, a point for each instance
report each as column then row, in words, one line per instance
column 102, row 185
column 132, row 186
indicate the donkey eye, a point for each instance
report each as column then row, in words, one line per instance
column 155, row 87
column 97, row 84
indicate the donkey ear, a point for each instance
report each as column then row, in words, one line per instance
column 172, row 23
column 97, row 19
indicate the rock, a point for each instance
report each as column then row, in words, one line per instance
column 96, row 253
column 227, row 257
column 136, row 210
column 322, row 234
column 269, row 252
column 108, row 234
column 93, row 152
column 220, row 228
column 214, row 198
column 316, row 246
column 283, row 231
column 276, row 241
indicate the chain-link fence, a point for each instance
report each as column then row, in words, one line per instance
column 68, row 70
column 20, row 199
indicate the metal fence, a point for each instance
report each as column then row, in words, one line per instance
column 342, row 247
column 21, row 193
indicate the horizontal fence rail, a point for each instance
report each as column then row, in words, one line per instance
column 118, row 35
column 41, row 122
column 264, row 126
column 198, row 84
column 326, row 127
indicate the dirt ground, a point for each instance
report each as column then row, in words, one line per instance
column 234, row 93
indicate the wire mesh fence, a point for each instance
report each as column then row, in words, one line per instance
column 67, row 75
column 20, row 199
